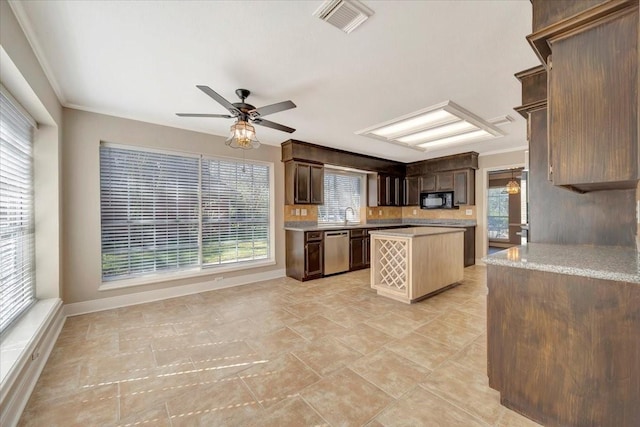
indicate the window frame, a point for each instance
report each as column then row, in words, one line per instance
column 201, row 269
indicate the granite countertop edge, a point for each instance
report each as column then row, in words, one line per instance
column 416, row 231
column 450, row 224
column 569, row 268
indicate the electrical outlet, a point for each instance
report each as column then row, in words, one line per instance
column 468, row 212
column 415, row 211
column 297, row 212
column 304, row 212
column 379, row 212
column 370, row 212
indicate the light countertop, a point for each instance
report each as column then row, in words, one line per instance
column 416, row 231
column 312, row 226
column 598, row 262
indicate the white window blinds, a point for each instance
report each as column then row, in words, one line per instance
column 235, row 211
column 17, row 260
column 342, row 190
column 149, row 207
column 163, row 212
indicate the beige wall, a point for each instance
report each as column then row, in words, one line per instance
column 24, row 78
column 486, row 164
column 83, row 132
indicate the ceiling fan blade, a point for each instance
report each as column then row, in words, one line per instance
column 273, row 125
column 213, row 94
column 222, row 116
column 274, row 108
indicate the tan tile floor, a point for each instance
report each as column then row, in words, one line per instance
column 277, row 353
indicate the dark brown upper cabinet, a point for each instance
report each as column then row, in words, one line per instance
column 592, row 75
column 304, row 183
column 464, row 187
column 444, row 181
column 385, row 190
column 411, row 191
column 428, row 183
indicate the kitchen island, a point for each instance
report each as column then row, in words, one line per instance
column 410, row 264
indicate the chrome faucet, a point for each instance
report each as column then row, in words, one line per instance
column 345, row 214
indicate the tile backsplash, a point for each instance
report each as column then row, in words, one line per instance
column 300, row 213
column 309, row 213
column 409, row 212
column 384, row 212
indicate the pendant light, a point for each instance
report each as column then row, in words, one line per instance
column 512, row 186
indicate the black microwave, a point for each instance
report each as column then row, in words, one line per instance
column 437, row 200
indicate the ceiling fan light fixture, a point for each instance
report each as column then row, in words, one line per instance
column 242, row 135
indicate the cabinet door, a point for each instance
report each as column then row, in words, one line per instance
column 593, row 104
column 469, row 246
column 411, row 191
column 367, row 251
column 444, row 181
column 356, row 253
column 303, row 177
column 383, row 186
column 316, row 185
column 428, row 183
column 460, row 179
column 313, row 259
column 393, row 191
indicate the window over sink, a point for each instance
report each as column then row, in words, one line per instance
column 342, row 190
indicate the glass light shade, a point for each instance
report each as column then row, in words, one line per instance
column 513, row 187
column 243, row 135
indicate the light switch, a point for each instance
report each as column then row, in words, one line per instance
column 380, row 212
column 304, row 212
column 297, row 212
column 415, row 211
column 370, row 212
column 468, row 212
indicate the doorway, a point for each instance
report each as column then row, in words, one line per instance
column 506, row 208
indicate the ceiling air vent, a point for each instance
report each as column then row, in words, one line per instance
column 347, row 15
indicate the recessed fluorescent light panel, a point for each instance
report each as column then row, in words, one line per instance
column 435, row 127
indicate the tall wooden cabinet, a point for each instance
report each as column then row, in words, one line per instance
column 560, row 328
column 592, row 64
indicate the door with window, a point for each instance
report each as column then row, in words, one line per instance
column 504, row 210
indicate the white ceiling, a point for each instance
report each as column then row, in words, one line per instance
column 142, row 60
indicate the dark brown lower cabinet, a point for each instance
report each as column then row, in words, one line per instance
column 304, row 254
column 359, row 249
column 564, row 350
column 469, row 246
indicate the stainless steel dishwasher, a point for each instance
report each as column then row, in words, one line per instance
column 336, row 252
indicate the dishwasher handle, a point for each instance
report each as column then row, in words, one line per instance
column 334, row 234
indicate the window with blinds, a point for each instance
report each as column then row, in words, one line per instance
column 166, row 212
column 17, row 259
column 235, row 212
column 342, row 190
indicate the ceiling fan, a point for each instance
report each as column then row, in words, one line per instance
column 242, row 132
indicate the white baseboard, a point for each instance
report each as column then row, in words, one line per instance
column 101, row 304
column 23, row 376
